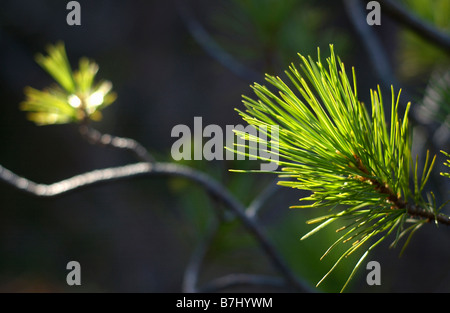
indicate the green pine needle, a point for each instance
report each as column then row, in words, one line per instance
column 447, row 163
column 350, row 159
column 75, row 98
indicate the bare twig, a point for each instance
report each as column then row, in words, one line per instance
column 153, row 169
column 212, row 187
column 192, row 271
column 75, row 182
column 373, row 46
column 237, row 280
column 95, row 137
column 420, row 27
column 208, row 44
column 261, row 199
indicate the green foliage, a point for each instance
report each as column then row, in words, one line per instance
column 350, row 160
column 447, row 163
column 75, row 98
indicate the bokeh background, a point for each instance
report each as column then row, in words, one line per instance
column 138, row 235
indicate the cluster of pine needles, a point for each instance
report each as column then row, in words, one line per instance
column 353, row 160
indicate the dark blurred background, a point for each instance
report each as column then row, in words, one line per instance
column 137, row 235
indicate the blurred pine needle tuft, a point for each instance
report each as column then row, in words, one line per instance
column 75, row 97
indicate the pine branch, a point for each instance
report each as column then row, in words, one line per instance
column 80, row 181
column 397, row 202
column 414, row 210
column 93, row 136
column 210, row 46
column 142, row 169
column 350, row 160
column 190, row 280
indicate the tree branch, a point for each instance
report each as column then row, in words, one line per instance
column 158, row 169
column 193, row 269
column 421, row 28
column 379, row 60
column 259, row 201
column 430, row 216
column 93, row 136
column 211, row 47
column 75, row 182
column 397, row 202
column 237, row 280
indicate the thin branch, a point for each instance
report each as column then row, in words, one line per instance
column 161, row 169
column 239, row 280
column 420, row 27
column 379, row 60
column 192, row 271
column 211, row 47
column 261, row 199
column 75, row 182
column 421, row 212
column 214, row 189
column 95, row 137
column 397, row 202
column 193, row 268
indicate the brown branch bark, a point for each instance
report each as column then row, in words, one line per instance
column 397, row 202
column 430, row 216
